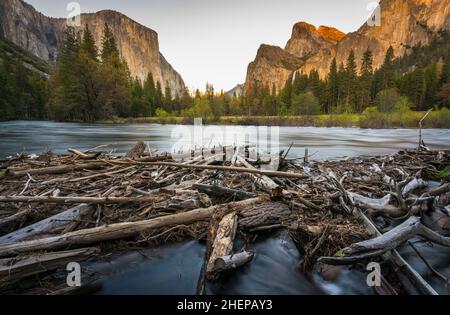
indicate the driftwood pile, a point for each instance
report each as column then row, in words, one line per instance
column 59, row 209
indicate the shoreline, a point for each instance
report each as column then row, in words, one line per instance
column 436, row 120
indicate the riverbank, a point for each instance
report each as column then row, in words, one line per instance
column 374, row 120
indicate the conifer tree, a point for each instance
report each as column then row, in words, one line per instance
column 366, row 79
column 333, row 87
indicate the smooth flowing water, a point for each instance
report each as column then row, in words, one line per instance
column 323, row 143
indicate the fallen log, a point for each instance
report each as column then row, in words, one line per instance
column 77, row 200
column 232, row 261
column 183, row 200
column 413, row 185
column 60, row 169
column 49, row 225
column 388, row 241
column 84, row 156
column 122, row 230
column 269, row 213
column 264, row 182
column 136, row 151
column 5, row 223
column 369, row 203
column 15, row 269
column 223, row 243
column 231, row 169
column 223, row 191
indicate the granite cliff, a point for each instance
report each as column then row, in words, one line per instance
column 21, row 24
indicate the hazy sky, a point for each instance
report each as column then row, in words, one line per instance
column 214, row 40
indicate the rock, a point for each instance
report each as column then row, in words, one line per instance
column 21, row 24
column 272, row 66
column 307, row 40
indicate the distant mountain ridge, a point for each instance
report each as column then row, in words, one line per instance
column 29, row 29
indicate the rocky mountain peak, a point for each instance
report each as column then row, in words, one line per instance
column 331, row 33
column 306, row 39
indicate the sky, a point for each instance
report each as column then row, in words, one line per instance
column 214, row 40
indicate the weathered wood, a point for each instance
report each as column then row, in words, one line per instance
column 269, row 213
column 77, row 200
column 413, row 185
column 369, row 203
column 403, row 266
column 263, row 181
column 15, row 269
column 388, row 241
column 223, row 191
column 231, row 169
column 60, row 169
column 17, row 217
column 83, row 155
column 183, row 200
column 49, row 225
column 223, row 243
column 122, row 230
column 232, row 261
column 136, row 151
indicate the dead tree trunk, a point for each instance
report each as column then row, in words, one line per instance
column 15, row 269
column 61, row 169
column 122, row 230
column 232, row 261
column 388, row 241
column 49, row 225
column 264, row 182
column 223, row 243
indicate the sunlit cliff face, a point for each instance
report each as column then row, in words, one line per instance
column 403, row 25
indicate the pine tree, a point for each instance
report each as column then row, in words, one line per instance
column 149, row 92
column 110, row 52
column 387, row 70
column 88, row 44
column 90, row 107
column 431, row 87
column 158, row 95
column 116, row 78
column 67, row 86
column 366, row 79
column 168, row 98
column 351, row 83
column 333, row 87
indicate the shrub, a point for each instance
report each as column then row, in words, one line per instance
column 386, row 100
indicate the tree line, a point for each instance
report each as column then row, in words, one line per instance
column 90, row 84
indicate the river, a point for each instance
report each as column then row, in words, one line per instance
column 323, row 143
